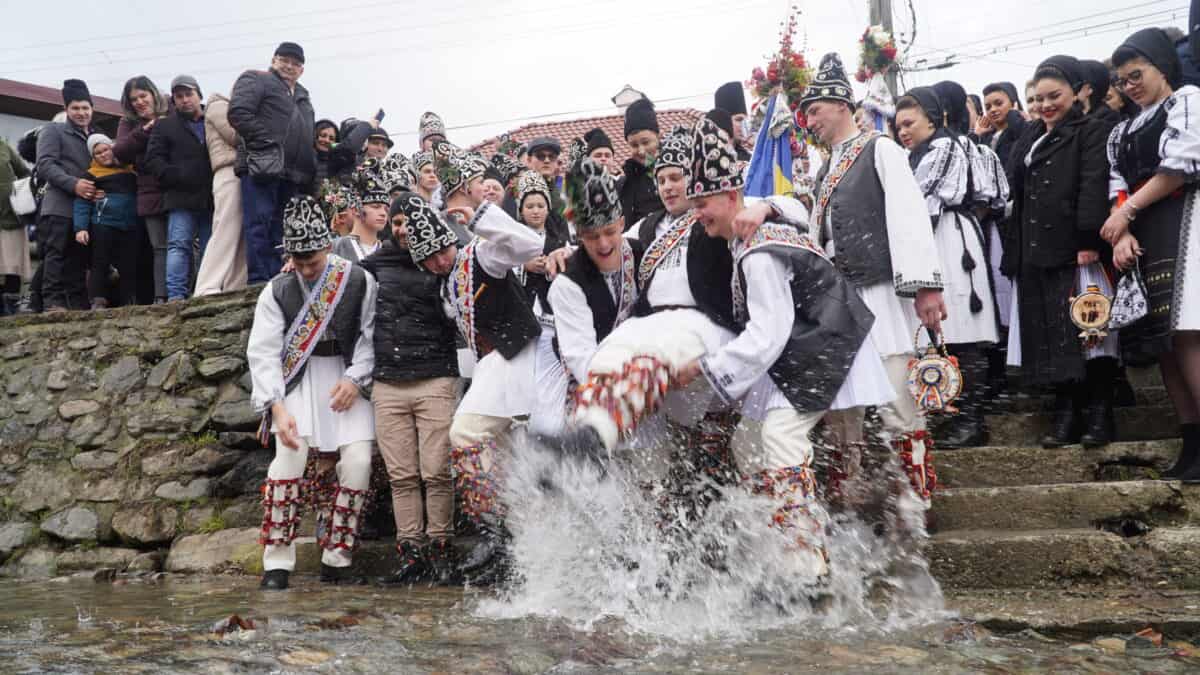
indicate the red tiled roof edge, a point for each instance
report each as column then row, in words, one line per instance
column 50, row 95
column 567, row 130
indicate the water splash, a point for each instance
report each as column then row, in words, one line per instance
column 590, row 549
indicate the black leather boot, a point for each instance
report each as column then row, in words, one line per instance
column 1068, row 416
column 340, row 576
column 1099, row 423
column 443, row 563
column 488, row 562
column 274, row 580
column 967, row 428
column 412, row 565
column 1190, row 453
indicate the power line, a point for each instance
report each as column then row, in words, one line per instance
column 72, row 58
column 1026, row 31
column 556, row 30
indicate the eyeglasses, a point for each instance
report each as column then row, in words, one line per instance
column 1134, row 77
column 545, row 156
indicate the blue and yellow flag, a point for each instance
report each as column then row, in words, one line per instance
column 771, row 165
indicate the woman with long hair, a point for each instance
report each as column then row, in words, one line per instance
column 142, row 106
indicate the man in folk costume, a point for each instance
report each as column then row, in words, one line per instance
column 498, row 324
column 596, row 291
column 311, row 357
column 803, row 349
column 871, row 219
column 683, row 311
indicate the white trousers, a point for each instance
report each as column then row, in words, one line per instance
column 354, row 472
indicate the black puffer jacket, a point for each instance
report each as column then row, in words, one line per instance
column 1060, row 200
column 414, row 340
column 178, row 158
column 265, row 113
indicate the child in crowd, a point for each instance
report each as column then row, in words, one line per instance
column 105, row 224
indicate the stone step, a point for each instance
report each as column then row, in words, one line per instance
column 1067, row 505
column 1012, row 466
column 1023, row 403
column 1065, row 558
column 1142, row 423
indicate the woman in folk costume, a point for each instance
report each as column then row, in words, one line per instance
column 1058, row 173
column 949, row 169
column 595, row 292
column 499, row 327
column 872, row 222
column 311, row 356
column 1155, row 160
column 803, row 350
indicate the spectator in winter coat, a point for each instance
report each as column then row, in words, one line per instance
column 62, row 160
column 143, row 106
column 224, row 265
column 273, row 116
column 178, row 156
column 14, row 245
column 108, row 225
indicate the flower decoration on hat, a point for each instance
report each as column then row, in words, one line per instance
column 335, row 198
column 876, row 54
column 715, row 167
column 592, row 197
column 305, row 228
column 456, row 167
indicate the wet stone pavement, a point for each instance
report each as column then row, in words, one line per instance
column 226, row 625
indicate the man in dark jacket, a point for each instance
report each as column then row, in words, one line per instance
column 274, row 119
column 639, row 194
column 416, row 369
column 178, row 156
column 62, row 160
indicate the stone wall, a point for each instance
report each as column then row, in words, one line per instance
column 122, row 431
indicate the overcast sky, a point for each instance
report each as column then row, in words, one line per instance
column 484, row 66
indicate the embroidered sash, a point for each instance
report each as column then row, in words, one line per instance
column 837, row 173
column 462, row 293
column 664, row 245
column 769, row 235
column 310, row 324
column 628, row 284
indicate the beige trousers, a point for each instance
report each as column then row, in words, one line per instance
column 223, row 267
column 412, row 427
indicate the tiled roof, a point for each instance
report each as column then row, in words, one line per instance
column 34, row 100
column 567, row 130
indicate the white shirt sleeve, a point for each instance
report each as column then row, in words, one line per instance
column 739, row 364
column 362, row 364
column 914, row 253
column 505, row 242
column 1116, row 182
column 1179, row 145
column 573, row 326
column 264, row 350
column 791, row 211
column 632, row 233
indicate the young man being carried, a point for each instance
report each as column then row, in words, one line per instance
column 871, row 219
column 311, row 356
column 805, row 337
column 499, row 327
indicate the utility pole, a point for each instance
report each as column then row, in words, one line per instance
column 881, row 15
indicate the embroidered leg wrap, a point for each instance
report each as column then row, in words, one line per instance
column 476, row 487
column 281, row 512
column 916, row 456
column 794, row 488
column 624, row 398
column 345, row 516
column 845, row 463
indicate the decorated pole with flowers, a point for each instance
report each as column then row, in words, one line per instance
column 877, row 68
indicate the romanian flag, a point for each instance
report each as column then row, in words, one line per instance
column 771, row 165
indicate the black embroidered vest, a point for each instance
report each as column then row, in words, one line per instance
column 858, row 222
column 504, row 319
column 346, row 323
